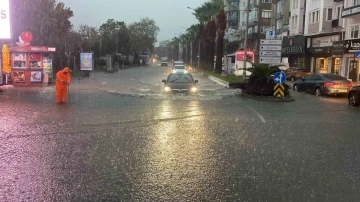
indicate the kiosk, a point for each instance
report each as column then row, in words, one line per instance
column 31, row 65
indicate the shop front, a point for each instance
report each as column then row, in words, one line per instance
column 31, row 65
column 322, row 60
column 294, row 52
column 352, row 64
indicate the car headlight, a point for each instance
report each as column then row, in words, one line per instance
column 185, row 71
column 174, row 71
column 193, row 89
column 167, row 89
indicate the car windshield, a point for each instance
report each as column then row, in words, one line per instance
column 180, row 78
column 334, row 77
column 179, row 67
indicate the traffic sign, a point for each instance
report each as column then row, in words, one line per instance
column 270, row 60
column 272, row 48
column 357, row 54
column 270, row 53
column 279, row 77
column 270, row 34
column 279, row 90
column 270, row 42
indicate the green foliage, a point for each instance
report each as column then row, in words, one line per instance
column 143, row 34
column 261, row 73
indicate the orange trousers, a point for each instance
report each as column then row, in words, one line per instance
column 61, row 94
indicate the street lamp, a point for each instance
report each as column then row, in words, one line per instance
column 246, row 38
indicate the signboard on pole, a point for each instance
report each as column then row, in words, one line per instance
column 5, row 19
column 270, row 51
column 86, row 61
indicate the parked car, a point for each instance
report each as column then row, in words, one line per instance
column 354, row 96
column 323, row 84
column 294, row 74
column 180, row 83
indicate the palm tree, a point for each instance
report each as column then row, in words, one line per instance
column 221, row 26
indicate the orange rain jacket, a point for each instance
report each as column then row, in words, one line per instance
column 63, row 80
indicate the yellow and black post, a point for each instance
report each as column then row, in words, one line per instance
column 279, row 90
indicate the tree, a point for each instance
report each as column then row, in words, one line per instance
column 221, row 26
column 143, row 34
column 115, row 37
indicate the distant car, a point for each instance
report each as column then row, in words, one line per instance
column 294, row 74
column 323, row 84
column 180, row 83
column 354, row 96
column 179, row 69
column 164, row 63
column 178, row 63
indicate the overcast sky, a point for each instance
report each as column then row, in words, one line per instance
column 169, row 15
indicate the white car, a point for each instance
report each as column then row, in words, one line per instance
column 179, row 69
column 178, row 63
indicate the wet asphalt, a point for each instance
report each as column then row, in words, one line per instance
column 121, row 139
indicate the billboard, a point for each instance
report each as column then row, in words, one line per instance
column 4, row 19
column 86, row 61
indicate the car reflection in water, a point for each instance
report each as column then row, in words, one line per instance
column 323, row 84
column 180, row 83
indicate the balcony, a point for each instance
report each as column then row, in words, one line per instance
column 338, row 0
column 254, row 4
column 279, row 16
column 335, row 23
column 253, row 21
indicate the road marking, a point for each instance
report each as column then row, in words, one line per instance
column 258, row 114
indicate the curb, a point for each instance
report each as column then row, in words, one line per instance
column 219, row 81
column 267, row 98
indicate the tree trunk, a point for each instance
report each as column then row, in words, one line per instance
column 212, row 54
column 219, row 53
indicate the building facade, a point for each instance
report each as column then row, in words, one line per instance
column 232, row 10
column 351, row 16
column 321, row 32
column 260, row 18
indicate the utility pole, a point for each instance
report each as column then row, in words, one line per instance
column 191, row 54
column 199, row 55
column 246, row 39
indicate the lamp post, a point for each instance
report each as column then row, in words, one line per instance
column 246, row 38
column 199, row 43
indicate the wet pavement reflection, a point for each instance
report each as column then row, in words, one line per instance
column 114, row 142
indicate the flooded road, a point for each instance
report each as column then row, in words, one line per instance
column 121, row 139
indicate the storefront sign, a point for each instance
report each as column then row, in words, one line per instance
column 338, row 48
column 324, row 41
column 319, row 50
column 354, row 10
column 294, row 45
column 86, row 61
column 47, row 65
column 351, row 45
column 19, row 76
column 5, row 19
column 35, row 76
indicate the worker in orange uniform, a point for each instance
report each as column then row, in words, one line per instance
column 62, row 83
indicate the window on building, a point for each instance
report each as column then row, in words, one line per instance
column 279, row 7
column 234, row 4
column 263, row 28
column 279, row 24
column 234, row 15
column 354, row 31
column 295, row 3
column 329, row 14
column 338, row 13
column 266, row 1
column 314, row 17
column 356, row 2
column 294, row 21
column 266, row 13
